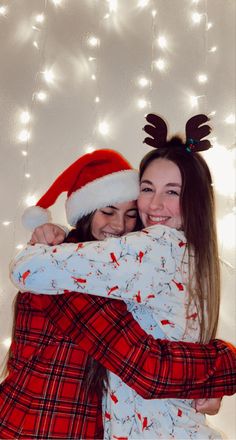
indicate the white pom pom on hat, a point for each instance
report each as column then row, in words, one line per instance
column 95, row 180
column 35, row 216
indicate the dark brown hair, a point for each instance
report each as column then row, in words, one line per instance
column 97, row 378
column 197, row 206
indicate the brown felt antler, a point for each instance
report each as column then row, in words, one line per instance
column 157, row 129
column 196, row 131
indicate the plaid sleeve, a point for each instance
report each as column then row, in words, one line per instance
column 153, row 368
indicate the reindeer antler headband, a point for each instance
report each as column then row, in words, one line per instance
column 196, row 129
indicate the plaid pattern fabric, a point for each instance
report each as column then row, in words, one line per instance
column 44, row 395
column 153, row 368
column 44, row 398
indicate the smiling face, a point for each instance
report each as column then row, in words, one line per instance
column 159, row 199
column 114, row 221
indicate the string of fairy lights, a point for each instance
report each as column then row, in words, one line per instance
column 160, row 63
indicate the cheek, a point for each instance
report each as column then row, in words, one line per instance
column 141, row 203
column 176, row 208
column 130, row 224
column 96, row 225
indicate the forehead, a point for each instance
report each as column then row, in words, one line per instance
column 162, row 170
column 125, row 206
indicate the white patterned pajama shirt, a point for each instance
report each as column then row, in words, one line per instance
column 149, row 271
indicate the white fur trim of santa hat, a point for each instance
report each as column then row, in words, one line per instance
column 35, row 216
column 119, row 187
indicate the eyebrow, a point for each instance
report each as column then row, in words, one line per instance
column 168, row 184
column 114, row 207
column 110, row 206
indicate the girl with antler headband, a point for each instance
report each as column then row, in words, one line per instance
column 168, row 274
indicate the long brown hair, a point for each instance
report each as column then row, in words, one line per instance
column 197, row 206
column 97, row 378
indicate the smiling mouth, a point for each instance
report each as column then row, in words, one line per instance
column 157, row 219
column 109, row 234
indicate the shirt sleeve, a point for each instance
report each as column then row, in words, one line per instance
column 137, row 266
column 153, row 368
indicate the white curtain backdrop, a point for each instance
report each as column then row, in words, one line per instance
column 81, row 74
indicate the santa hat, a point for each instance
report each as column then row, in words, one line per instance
column 95, row 180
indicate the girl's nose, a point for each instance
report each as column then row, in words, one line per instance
column 118, row 224
column 156, row 202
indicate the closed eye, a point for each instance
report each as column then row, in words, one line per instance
column 106, row 212
column 132, row 214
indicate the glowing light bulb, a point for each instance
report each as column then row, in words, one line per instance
column 19, row 246
column 213, row 49
column 143, row 3
column 56, row 2
column 24, row 153
column 41, row 96
column 202, row 78
column 103, row 128
column 27, row 175
column 93, row 41
column 142, row 103
column 6, row 223
column 162, row 42
column 143, row 82
column 3, row 10
column 160, row 64
column 7, row 342
column 213, row 140
column 89, row 149
column 213, row 113
column 93, row 77
column 25, row 117
column 97, row 99
column 92, row 58
column 48, row 75
column 40, row 18
column 194, row 100
column 35, row 44
column 209, row 25
column 196, row 17
column 24, row 136
column 112, row 5
column 154, row 13
column 230, row 119
column 30, row 200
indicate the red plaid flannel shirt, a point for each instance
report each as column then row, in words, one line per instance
column 44, row 398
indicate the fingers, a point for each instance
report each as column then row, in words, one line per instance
column 38, row 236
column 208, row 406
column 59, row 235
column 49, row 234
